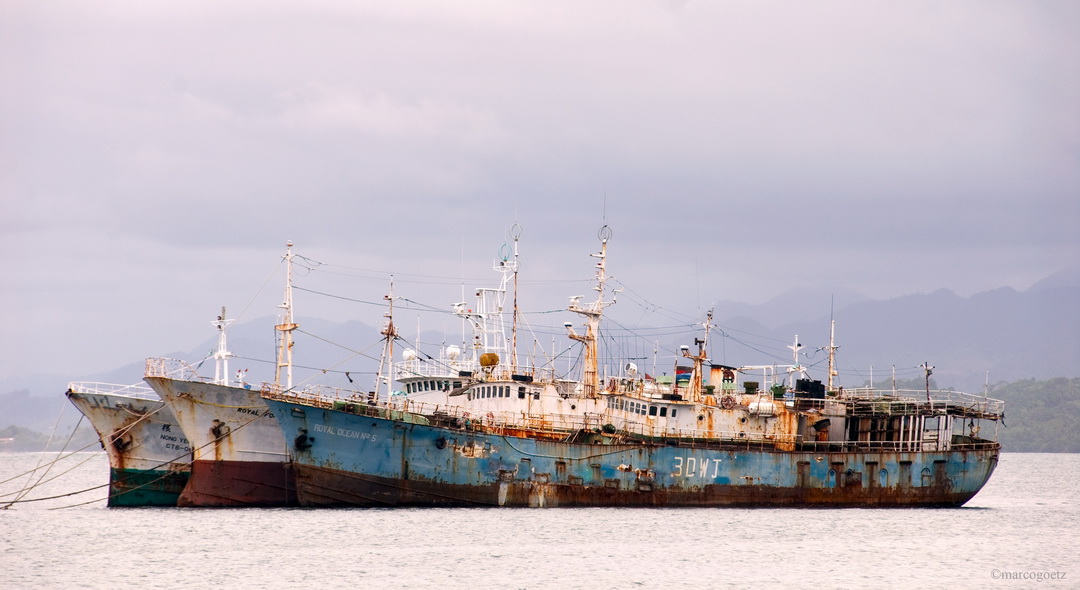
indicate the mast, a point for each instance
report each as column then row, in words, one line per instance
column 489, row 342
column 515, row 234
column 697, row 377
column 796, row 368
column 832, row 354
column 390, row 334
column 929, row 370
column 593, row 312
column 222, row 354
column 286, row 327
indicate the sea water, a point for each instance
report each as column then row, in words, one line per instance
column 1021, row 531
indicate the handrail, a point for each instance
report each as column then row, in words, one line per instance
column 567, row 426
column 941, row 399
column 173, row 369
column 134, row 391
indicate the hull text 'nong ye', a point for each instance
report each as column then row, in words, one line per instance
column 149, row 457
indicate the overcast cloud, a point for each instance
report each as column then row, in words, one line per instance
column 156, row 156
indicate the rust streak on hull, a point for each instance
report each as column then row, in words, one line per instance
column 239, row 484
column 326, row 487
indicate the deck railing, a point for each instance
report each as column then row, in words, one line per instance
column 937, row 401
column 586, row 427
column 135, row 391
column 173, row 369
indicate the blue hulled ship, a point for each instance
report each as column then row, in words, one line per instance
column 481, row 431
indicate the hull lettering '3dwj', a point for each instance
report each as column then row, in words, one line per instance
column 497, row 434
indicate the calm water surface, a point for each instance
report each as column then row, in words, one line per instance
column 1025, row 524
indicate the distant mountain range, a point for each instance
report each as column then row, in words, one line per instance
column 1034, row 334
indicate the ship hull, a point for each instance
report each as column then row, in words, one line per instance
column 240, row 457
column 239, row 484
column 149, row 457
column 371, row 460
column 149, row 487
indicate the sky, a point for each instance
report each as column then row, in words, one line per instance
column 156, row 157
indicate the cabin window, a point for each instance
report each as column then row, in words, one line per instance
column 446, row 386
column 503, row 392
column 427, row 385
column 521, row 393
column 457, row 384
column 536, row 395
column 672, row 412
column 652, row 410
column 663, row 411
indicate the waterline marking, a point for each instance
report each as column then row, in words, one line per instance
column 1035, row 575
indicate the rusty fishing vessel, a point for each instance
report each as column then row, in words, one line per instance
column 240, row 457
column 712, row 435
column 149, row 457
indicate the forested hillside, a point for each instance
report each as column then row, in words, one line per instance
column 1040, row 416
